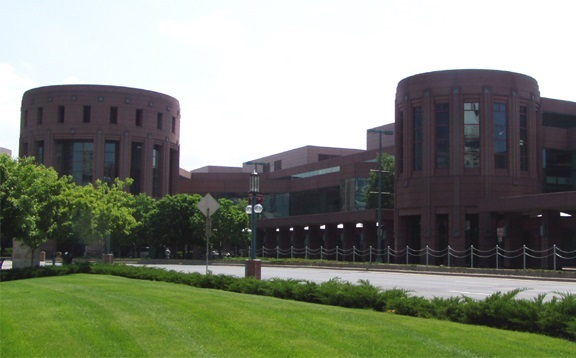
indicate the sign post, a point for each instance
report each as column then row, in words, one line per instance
column 208, row 206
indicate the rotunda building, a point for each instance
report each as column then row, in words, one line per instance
column 104, row 132
column 462, row 136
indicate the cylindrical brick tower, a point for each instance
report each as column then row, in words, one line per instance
column 461, row 136
column 102, row 132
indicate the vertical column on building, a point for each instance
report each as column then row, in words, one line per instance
column 331, row 240
column 456, row 213
column 165, row 168
column 125, row 156
column 349, row 239
column 284, row 241
column 513, row 137
column 147, row 176
column 299, row 239
column 427, row 166
column 269, row 240
column 314, row 240
column 99, row 147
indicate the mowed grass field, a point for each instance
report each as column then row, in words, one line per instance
column 86, row 315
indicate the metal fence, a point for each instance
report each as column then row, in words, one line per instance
column 497, row 257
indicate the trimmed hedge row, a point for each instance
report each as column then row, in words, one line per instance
column 555, row 317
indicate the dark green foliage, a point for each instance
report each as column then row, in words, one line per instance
column 555, row 317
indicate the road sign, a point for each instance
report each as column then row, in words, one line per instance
column 208, row 205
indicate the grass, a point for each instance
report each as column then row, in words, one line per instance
column 100, row 315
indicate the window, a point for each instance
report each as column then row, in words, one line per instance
column 400, row 144
column 110, row 161
column 86, row 114
column 173, row 124
column 139, row 117
column 523, row 138
column 156, row 171
column 442, row 136
column 159, row 121
column 39, row 115
column 136, row 167
column 500, row 137
column 471, row 135
column 417, row 138
column 61, row 114
column 113, row 115
column 558, row 172
column 277, row 165
column 40, row 152
column 25, row 118
column 75, row 159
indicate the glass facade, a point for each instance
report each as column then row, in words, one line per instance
column 156, row 183
column 500, row 136
column 417, row 164
column 523, row 138
column 110, row 161
column 559, row 170
column 136, row 168
column 471, row 135
column 75, row 159
column 442, row 147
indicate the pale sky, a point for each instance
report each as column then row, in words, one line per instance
column 255, row 78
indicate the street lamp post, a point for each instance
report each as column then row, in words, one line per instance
column 253, row 266
column 380, row 169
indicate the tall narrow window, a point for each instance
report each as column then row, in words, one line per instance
column 400, row 144
column 139, row 117
column 417, row 138
column 110, row 161
column 471, row 135
column 500, row 137
column 159, row 121
column 113, row 115
column 173, row 124
column 25, row 118
column 523, row 138
column 442, row 136
column 39, row 115
column 40, row 152
column 61, row 114
column 75, row 159
column 136, row 168
column 156, row 171
column 86, row 114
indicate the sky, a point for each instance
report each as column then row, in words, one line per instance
column 256, row 78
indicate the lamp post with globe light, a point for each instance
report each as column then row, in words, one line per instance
column 253, row 266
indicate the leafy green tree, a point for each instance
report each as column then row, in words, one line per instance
column 388, row 167
column 228, row 223
column 32, row 200
column 177, row 222
column 102, row 210
column 145, row 208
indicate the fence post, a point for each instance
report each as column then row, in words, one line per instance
column 406, row 254
column 291, row 251
column 426, row 255
column 353, row 253
column 471, row 256
column 336, row 253
column 388, row 254
column 554, row 252
column 306, row 252
column 370, row 254
column 277, row 251
column 449, row 254
column 263, row 252
column 524, row 257
column 496, row 257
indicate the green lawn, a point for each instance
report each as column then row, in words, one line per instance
column 85, row 315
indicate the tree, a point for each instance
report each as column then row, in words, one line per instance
column 177, row 222
column 31, row 199
column 145, row 208
column 102, row 210
column 388, row 168
column 228, row 223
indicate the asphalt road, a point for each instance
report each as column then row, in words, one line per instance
column 425, row 285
